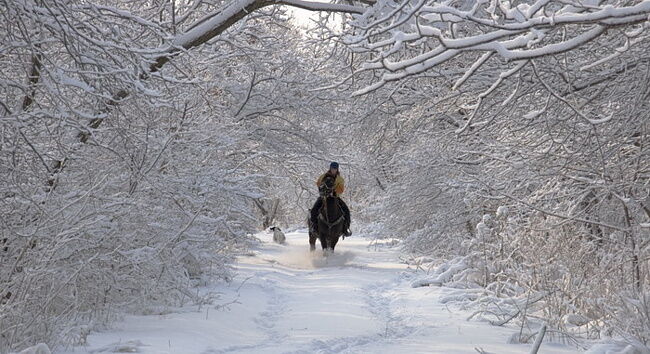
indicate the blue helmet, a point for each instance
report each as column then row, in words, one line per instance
column 334, row 165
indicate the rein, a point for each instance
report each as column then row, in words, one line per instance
column 325, row 218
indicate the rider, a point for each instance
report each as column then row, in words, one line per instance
column 339, row 187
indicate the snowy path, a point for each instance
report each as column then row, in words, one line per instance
column 290, row 301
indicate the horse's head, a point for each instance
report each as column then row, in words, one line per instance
column 327, row 186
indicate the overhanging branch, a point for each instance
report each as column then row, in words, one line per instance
column 211, row 27
column 201, row 32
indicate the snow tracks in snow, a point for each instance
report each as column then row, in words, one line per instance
column 288, row 300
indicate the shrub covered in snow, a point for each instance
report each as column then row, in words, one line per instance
column 126, row 180
column 552, row 147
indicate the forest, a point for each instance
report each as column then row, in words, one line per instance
column 144, row 143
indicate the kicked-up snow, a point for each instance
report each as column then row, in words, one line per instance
column 288, row 300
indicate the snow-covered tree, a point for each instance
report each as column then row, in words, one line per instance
column 135, row 142
column 547, row 103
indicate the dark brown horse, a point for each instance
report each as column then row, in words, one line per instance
column 330, row 219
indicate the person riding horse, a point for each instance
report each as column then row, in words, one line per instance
column 339, row 187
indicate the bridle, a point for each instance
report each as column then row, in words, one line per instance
column 327, row 191
column 326, row 188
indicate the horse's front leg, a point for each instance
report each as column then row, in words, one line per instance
column 323, row 241
column 312, row 241
column 333, row 242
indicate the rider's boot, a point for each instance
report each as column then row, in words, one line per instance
column 346, row 230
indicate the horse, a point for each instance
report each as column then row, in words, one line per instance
column 330, row 219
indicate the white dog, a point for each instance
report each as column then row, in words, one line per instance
column 278, row 235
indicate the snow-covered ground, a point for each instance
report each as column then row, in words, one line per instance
column 288, row 300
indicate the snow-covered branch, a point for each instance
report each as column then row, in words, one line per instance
column 519, row 33
column 210, row 27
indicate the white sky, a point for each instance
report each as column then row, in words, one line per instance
column 301, row 17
